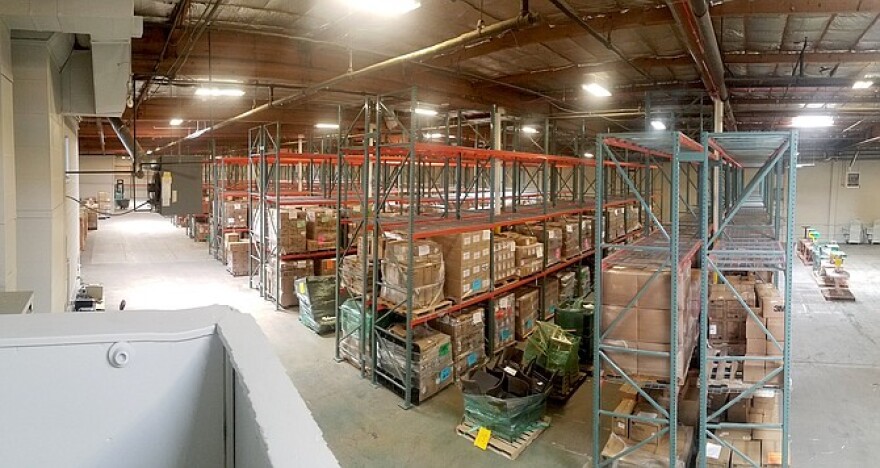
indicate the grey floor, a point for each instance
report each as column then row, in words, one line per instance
column 143, row 259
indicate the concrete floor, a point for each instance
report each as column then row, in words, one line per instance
column 143, row 259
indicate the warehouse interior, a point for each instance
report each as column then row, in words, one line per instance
column 427, row 232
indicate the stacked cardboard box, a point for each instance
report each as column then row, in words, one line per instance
column 567, row 285
column 504, row 316
column 237, row 258
column 235, row 214
column 466, row 259
column 655, row 453
column 290, row 271
column 728, row 317
column 432, row 368
column 571, row 245
column 551, row 237
column 615, row 225
column 551, row 296
column 325, row 267
column 352, row 275
column 104, row 203
column 770, row 314
column 631, row 215
column 646, row 325
column 467, row 331
column 529, row 254
column 320, row 228
column 290, row 234
column 201, row 231
column 504, row 257
column 427, row 274
column 526, row 310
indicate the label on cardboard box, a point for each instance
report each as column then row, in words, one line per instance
column 445, row 373
column 478, row 283
column 713, row 329
column 471, row 359
column 444, row 349
column 466, row 272
column 478, row 317
column 505, row 334
column 713, row 450
column 466, row 256
column 424, row 250
column 477, row 255
column 486, row 235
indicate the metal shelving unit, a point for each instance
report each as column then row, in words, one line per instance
column 416, row 188
column 755, row 233
column 669, row 244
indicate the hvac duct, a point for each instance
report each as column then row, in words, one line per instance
column 131, row 146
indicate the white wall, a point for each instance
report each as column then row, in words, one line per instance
column 824, row 203
column 71, row 191
column 8, row 214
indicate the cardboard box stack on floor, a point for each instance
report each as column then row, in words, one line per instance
column 763, row 446
column 235, row 214
column 466, row 259
column 291, row 270
column 646, row 325
column 467, row 331
column 432, row 358
column 290, row 234
column 201, row 231
column 504, row 257
column 526, row 310
column 427, row 274
column 237, row 258
column 770, row 311
column 504, row 316
column 551, row 237
column 320, row 228
column 529, row 254
column 105, row 204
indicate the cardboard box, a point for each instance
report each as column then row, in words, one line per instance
column 291, row 270
column 526, row 310
column 751, row 448
column 237, row 258
column 753, row 330
column 325, row 267
column 776, row 327
column 504, row 259
column 772, row 349
column 551, row 296
column 235, row 214
column 653, row 325
column 717, row 455
column 466, row 256
column 427, row 273
column 658, row 367
column 738, row 412
column 765, row 400
column 466, row 330
column 504, row 316
column 756, row 347
column 627, row 362
column 619, row 286
column 771, row 453
column 753, row 371
column 431, row 356
column 628, row 392
column 620, row 426
column 642, row 430
column 627, row 329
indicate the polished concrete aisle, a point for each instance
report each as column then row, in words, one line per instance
column 149, row 263
column 143, row 259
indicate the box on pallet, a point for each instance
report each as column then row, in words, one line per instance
column 201, row 232
column 237, row 258
column 551, row 237
column 235, row 214
column 466, row 259
column 566, row 285
column 432, row 360
column 526, row 310
column 551, row 296
column 290, row 233
column 467, row 332
column 352, row 275
column 325, row 267
column 504, row 257
column 352, row 332
column 651, row 454
column 291, row 270
column 320, row 228
column 427, row 273
column 504, row 317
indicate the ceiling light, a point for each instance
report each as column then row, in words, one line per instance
column 214, row 92
column 812, row 121
column 800, row 165
column 327, row 126
column 529, row 130
column 423, row 111
column 588, row 155
column 815, row 105
column 149, row 151
column 175, row 122
column 658, row 125
column 862, row 84
column 384, row 7
column 596, row 90
column 433, row 136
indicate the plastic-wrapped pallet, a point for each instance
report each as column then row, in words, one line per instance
column 527, row 305
column 290, row 271
column 352, row 332
column 317, row 302
column 651, row 454
column 566, row 285
column 432, row 362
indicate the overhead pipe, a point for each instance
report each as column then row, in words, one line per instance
column 131, row 145
column 518, row 22
column 692, row 17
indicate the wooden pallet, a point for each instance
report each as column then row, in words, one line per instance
column 506, row 281
column 507, row 449
column 723, row 373
column 416, row 312
column 562, row 395
column 837, row 294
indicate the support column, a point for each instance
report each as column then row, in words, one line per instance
column 718, row 118
column 497, row 144
column 39, row 169
column 8, row 254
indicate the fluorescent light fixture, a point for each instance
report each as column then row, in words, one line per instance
column 529, row 130
column 433, row 136
column 423, row 111
column 815, row 105
column 862, row 84
column 215, row 92
column 588, row 155
column 327, row 126
column 175, row 122
column 658, row 125
column 596, row 90
column 800, row 165
column 812, row 121
column 384, row 7
column 149, row 151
